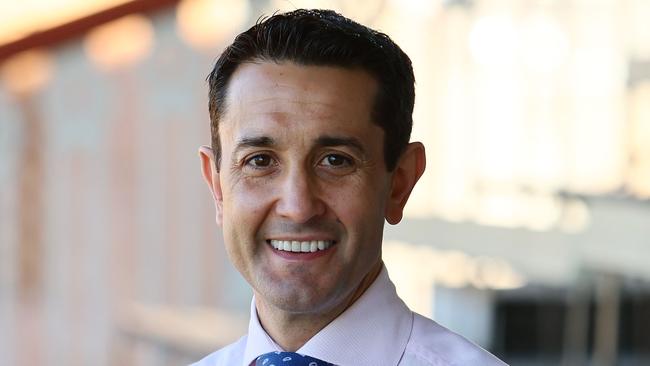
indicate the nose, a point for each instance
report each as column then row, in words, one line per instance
column 299, row 199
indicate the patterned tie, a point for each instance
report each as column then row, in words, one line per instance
column 289, row 359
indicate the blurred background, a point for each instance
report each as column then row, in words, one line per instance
column 529, row 233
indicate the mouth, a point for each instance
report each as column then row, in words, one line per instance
column 296, row 246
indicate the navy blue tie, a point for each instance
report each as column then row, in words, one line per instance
column 289, row 359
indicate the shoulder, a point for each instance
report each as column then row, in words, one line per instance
column 228, row 356
column 433, row 344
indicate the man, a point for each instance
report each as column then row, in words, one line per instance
column 311, row 118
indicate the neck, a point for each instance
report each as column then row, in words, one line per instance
column 291, row 331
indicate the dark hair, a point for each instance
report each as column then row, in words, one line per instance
column 325, row 38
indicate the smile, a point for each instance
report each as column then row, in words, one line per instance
column 301, row 246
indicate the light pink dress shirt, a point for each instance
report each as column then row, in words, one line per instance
column 377, row 330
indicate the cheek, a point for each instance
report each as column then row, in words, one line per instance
column 245, row 207
column 360, row 207
column 242, row 218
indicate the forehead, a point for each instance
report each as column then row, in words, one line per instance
column 293, row 95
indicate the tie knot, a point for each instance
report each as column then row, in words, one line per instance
column 288, row 359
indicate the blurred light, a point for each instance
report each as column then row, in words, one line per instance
column 498, row 133
column 540, row 211
column 203, row 24
column 493, row 41
column 575, row 216
column 499, row 208
column 496, row 274
column 419, row 205
column 27, row 72
column 638, row 13
column 362, row 11
column 412, row 268
column 450, row 3
column 511, row 207
column 545, row 46
column 453, row 269
column 420, row 8
column 120, row 43
column 446, row 188
column 21, row 18
column 194, row 328
column 417, row 269
column 289, row 5
column 596, row 160
column 638, row 179
column 547, row 155
column 598, row 69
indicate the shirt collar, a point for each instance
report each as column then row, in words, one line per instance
column 373, row 331
column 258, row 342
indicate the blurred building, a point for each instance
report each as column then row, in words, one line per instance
column 529, row 233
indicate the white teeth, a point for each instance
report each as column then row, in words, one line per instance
column 301, row 246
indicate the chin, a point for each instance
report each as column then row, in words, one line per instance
column 306, row 302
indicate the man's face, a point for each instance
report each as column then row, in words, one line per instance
column 302, row 165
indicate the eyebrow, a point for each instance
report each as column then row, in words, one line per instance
column 328, row 141
column 255, row 141
column 322, row 141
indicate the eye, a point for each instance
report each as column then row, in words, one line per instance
column 260, row 161
column 336, row 160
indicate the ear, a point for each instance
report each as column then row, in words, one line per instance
column 407, row 172
column 212, row 179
